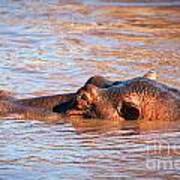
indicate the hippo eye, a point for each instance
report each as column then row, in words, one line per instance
column 128, row 111
column 82, row 97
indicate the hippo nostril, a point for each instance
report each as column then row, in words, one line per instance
column 128, row 111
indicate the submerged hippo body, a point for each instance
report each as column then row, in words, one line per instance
column 14, row 110
column 138, row 98
column 55, row 103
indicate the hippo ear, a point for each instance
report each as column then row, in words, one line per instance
column 128, row 111
column 151, row 75
column 99, row 81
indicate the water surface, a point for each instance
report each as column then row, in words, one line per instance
column 50, row 47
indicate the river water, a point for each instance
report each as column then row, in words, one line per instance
column 50, row 47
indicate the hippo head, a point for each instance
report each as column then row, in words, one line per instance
column 96, row 101
column 93, row 102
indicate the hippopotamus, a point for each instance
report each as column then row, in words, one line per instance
column 100, row 98
column 134, row 99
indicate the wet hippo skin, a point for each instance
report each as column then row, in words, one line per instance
column 138, row 98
